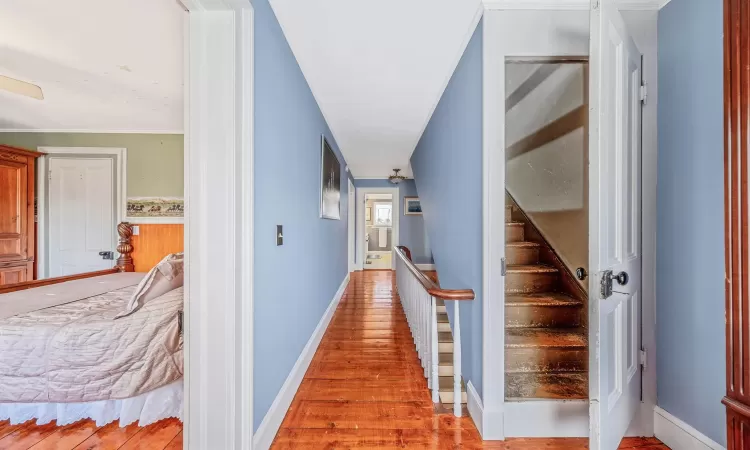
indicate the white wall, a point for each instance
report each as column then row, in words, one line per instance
column 549, row 181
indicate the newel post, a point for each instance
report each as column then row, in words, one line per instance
column 125, row 248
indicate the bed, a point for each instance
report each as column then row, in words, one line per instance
column 78, row 347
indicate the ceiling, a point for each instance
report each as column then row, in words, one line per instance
column 377, row 69
column 89, row 58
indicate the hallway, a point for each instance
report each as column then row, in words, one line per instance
column 365, row 387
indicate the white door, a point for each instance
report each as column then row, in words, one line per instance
column 615, row 224
column 81, row 203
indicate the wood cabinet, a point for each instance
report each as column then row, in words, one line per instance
column 17, row 236
column 737, row 219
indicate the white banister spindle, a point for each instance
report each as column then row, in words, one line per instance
column 420, row 308
column 456, row 360
column 434, row 376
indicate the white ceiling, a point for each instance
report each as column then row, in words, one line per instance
column 104, row 65
column 377, row 69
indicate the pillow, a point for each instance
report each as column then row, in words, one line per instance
column 162, row 278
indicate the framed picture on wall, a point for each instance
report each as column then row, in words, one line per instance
column 412, row 206
column 330, row 183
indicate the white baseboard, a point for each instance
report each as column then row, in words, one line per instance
column 268, row 428
column 474, row 404
column 547, row 418
column 679, row 435
column 425, row 266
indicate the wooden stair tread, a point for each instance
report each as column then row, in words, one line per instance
column 545, row 338
column 520, row 386
column 541, row 299
column 522, row 244
column 445, row 359
column 442, row 317
column 445, row 337
column 531, row 268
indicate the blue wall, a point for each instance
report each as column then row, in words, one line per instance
column 288, row 126
column 447, row 165
column 690, row 216
column 410, row 228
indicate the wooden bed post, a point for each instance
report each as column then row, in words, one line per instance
column 125, row 248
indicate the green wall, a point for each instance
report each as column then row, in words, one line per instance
column 155, row 161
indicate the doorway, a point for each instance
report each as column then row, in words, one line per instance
column 377, row 227
column 378, row 232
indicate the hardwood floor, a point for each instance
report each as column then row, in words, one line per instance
column 365, row 387
column 85, row 435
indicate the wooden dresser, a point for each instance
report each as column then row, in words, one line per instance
column 17, row 235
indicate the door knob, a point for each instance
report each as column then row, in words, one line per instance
column 107, row 255
column 621, row 278
column 581, row 273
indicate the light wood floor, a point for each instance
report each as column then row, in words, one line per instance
column 364, row 389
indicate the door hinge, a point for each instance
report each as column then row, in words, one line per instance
column 644, row 358
column 644, row 93
column 503, row 266
column 49, row 175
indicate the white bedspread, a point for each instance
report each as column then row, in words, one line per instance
column 76, row 352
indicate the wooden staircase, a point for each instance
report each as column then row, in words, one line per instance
column 445, row 357
column 546, row 345
column 445, row 353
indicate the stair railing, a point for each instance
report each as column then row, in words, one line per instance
column 419, row 295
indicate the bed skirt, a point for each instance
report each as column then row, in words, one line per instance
column 148, row 408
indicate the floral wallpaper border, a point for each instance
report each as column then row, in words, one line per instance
column 156, row 207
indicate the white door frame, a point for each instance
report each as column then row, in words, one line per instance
column 351, row 227
column 219, row 224
column 42, row 188
column 361, row 192
column 490, row 410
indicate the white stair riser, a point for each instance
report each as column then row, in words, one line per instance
column 447, row 397
column 445, row 347
column 445, row 371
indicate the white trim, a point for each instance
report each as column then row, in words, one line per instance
column 493, row 232
column 360, row 242
column 547, row 418
column 85, row 131
column 351, row 226
column 456, row 59
column 569, row 5
column 679, row 435
column 275, row 415
column 42, row 185
column 475, row 407
column 425, row 266
column 219, row 225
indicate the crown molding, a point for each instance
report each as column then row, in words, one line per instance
column 574, row 5
column 88, row 131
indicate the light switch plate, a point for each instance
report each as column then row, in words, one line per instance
column 136, row 230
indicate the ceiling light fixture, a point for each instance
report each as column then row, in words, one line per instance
column 396, row 178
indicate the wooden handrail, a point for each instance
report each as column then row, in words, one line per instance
column 430, row 286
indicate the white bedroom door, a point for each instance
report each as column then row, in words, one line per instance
column 81, row 203
column 615, row 224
